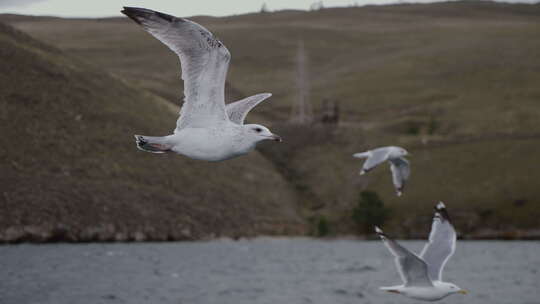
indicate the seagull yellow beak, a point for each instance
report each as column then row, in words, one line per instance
column 463, row 292
column 276, row 137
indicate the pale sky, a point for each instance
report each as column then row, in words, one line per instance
column 106, row 8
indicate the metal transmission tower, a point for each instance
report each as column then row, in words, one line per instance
column 302, row 112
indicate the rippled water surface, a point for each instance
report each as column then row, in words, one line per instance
column 265, row 270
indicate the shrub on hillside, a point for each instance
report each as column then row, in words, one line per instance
column 369, row 212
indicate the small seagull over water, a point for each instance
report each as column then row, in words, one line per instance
column 422, row 275
column 207, row 128
column 398, row 164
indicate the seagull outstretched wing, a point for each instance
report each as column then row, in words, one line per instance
column 400, row 173
column 204, row 60
column 413, row 271
column 238, row 110
column 441, row 244
column 374, row 158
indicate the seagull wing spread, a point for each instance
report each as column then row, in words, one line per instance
column 238, row 110
column 375, row 158
column 413, row 271
column 441, row 244
column 204, row 60
column 400, row 173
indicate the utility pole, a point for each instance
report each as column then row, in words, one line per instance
column 264, row 8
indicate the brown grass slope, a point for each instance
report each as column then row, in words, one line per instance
column 449, row 59
column 71, row 171
column 455, row 83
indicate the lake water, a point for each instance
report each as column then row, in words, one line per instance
column 263, row 270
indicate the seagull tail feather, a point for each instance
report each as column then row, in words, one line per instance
column 361, row 155
column 152, row 144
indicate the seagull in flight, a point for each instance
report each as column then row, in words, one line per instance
column 422, row 275
column 398, row 164
column 207, row 129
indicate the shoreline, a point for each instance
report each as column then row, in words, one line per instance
column 26, row 235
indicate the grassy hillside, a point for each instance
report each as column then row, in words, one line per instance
column 70, row 169
column 455, row 83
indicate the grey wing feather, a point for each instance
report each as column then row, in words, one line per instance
column 376, row 157
column 441, row 244
column 204, row 60
column 413, row 271
column 400, row 173
column 238, row 110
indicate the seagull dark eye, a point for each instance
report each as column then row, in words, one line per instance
column 258, row 130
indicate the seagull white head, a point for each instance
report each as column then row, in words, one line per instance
column 258, row 133
column 396, row 152
column 451, row 288
column 402, row 152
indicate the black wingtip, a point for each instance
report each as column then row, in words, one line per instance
column 440, row 209
column 166, row 16
column 134, row 13
column 138, row 14
column 140, row 140
column 135, row 10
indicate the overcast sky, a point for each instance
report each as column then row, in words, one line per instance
column 105, row 8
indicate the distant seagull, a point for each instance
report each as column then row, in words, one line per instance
column 398, row 165
column 422, row 275
column 207, row 128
